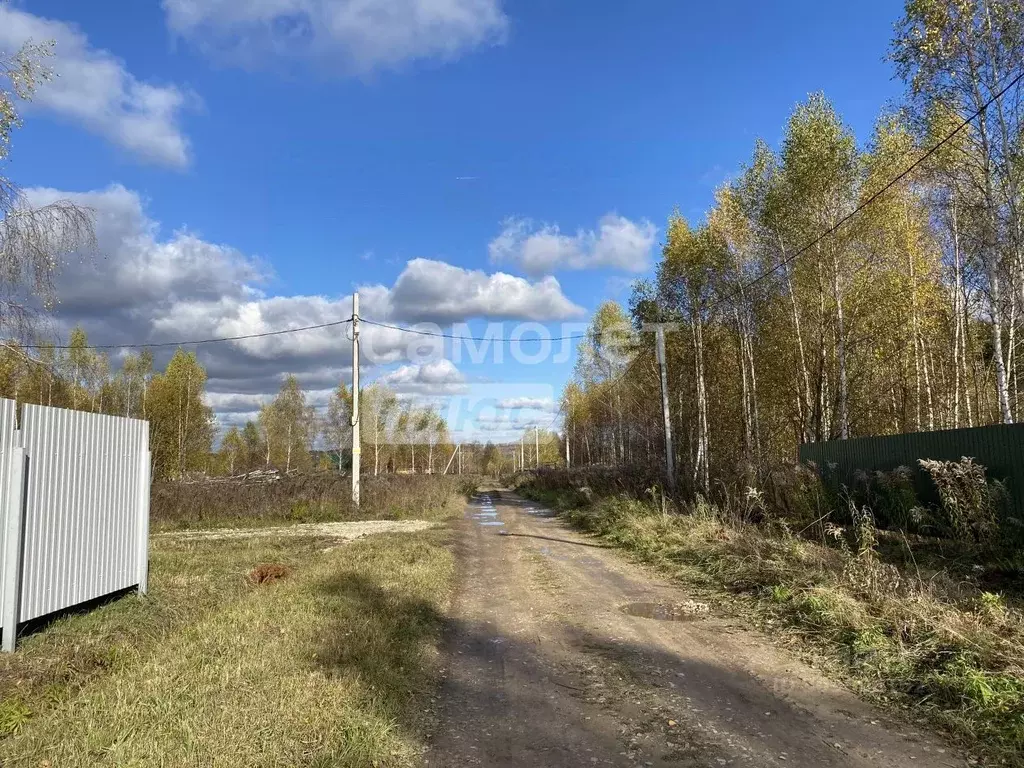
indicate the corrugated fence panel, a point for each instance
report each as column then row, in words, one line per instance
column 1000, row 448
column 8, row 425
column 81, row 510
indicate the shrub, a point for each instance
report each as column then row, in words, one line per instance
column 971, row 506
column 892, row 497
column 797, row 494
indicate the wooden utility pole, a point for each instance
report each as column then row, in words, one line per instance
column 670, row 459
column 522, row 453
column 536, row 448
column 460, row 458
column 355, row 399
column 458, row 450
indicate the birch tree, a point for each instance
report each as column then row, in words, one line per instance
column 962, row 54
column 290, row 425
column 181, row 423
column 377, row 409
column 337, row 427
column 34, row 241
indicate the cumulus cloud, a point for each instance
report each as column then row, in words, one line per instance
column 617, row 243
column 434, row 291
column 94, row 89
column 436, row 377
column 148, row 286
column 358, row 35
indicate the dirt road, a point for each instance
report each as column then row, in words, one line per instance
column 547, row 669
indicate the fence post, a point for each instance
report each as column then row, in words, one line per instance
column 14, row 508
column 142, row 545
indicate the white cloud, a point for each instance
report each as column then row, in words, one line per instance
column 437, row 377
column 509, row 425
column 235, row 402
column 145, row 286
column 434, row 291
column 618, row 243
column 359, row 35
column 94, row 89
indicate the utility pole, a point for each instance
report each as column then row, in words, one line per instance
column 522, row 453
column 458, row 450
column 536, row 448
column 355, row 399
column 670, row 459
column 460, row 458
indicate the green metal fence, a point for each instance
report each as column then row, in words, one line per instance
column 1000, row 448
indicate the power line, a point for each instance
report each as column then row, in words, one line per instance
column 285, row 331
column 136, row 345
column 885, row 188
column 457, row 337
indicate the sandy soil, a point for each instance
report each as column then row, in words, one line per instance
column 547, row 669
column 344, row 531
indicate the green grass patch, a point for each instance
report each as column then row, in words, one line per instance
column 328, row 666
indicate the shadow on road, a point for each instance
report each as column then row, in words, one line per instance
column 552, row 538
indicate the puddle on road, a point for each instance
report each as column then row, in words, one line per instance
column 545, row 513
column 666, row 611
column 485, row 513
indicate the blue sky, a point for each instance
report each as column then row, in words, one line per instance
column 284, row 160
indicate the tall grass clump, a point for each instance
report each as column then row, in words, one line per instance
column 972, row 508
column 894, row 499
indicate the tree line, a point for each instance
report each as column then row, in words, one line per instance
column 288, row 432
column 909, row 316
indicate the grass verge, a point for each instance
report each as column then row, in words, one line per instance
column 935, row 643
column 325, row 667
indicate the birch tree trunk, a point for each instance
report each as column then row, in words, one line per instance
column 1002, row 389
column 805, row 436
column 288, row 451
column 703, row 459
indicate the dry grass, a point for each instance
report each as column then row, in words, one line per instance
column 311, row 498
column 927, row 640
column 327, row 667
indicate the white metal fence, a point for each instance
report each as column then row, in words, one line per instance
column 75, row 508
